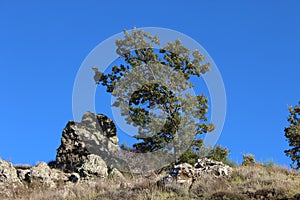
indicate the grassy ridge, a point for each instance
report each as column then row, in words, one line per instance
column 245, row 182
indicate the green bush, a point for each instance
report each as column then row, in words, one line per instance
column 248, row 160
column 218, row 153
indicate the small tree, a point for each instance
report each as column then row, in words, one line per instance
column 151, row 78
column 249, row 160
column 219, row 154
column 198, row 150
column 292, row 133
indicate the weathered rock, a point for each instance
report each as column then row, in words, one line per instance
column 41, row 173
column 108, row 128
column 74, row 177
column 58, row 176
column 46, row 176
column 94, row 165
column 8, row 179
column 213, row 167
column 95, row 134
column 24, row 174
column 185, row 174
column 116, row 175
column 181, row 174
column 8, row 174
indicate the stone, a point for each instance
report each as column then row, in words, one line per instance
column 46, row 176
column 181, row 174
column 108, row 128
column 8, row 180
column 213, row 167
column 8, row 174
column 58, row 176
column 94, row 165
column 185, row 174
column 74, row 177
column 41, row 173
column 23, row 174
column 116, row 175
column 95, row 134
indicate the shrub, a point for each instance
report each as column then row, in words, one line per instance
column 248, row 160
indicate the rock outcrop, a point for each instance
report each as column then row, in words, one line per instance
column 95, row 134
column 46, row 176
column 86, row 151
column 185, row 174
column 8, row 174
column 213, row 167
column 93, row 166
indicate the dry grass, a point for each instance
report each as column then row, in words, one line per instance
column 246, row 182
column 251, row 182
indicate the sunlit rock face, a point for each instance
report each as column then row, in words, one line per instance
column 95, row 134
column 8, row 173
column 185, row 174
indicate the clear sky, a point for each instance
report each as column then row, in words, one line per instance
column 255, row 44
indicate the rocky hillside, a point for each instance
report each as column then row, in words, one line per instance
column 82, row 171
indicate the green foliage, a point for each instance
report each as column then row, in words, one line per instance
column 248, row 160
column 192, row 154
column 219, row 154
column 157, row 78
column 292, row 133
column 188, row 156
column 197, row 150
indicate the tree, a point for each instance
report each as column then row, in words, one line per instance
column 219, row 154
column 249, row 160
column 152, row 89
column 198, row 150
column 292, row 133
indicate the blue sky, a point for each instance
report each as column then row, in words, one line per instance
column 255, row 44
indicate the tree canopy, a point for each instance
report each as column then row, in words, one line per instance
column 152, row 88
column 292, row 133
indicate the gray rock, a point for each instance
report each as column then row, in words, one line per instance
column 95, row 134
column 24, row 174
column 8, row 180
column 94, row 165
column 180, row 174
column 48, row 177
column 8, row 174
column 213, row 167
column 74, row 177
column 116, row 175
column 41, row 173
column 58, row 176
column 185, row 174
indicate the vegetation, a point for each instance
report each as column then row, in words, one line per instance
column 151, row 79
column 198, row 150
column 292, row 133
column 248, row 160
column 246, row 182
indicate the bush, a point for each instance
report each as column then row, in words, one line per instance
column 248, row 160
column 218, row 154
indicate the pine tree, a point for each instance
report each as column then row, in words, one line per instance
column 150, row 78
column 292, row 133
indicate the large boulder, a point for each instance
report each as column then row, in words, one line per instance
column 94, row 165
column 8, row 174
column 209, row 166
column 181, row 174
column 8, row 179
column 185, row 174
column 46, row 176
column 95, row 134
